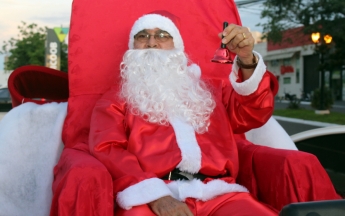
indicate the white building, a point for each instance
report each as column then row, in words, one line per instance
column 296, row 66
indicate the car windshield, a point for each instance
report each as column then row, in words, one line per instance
column 4, row 93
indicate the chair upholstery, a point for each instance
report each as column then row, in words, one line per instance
column 279, row 177
column 37, row 84
column 98, row 38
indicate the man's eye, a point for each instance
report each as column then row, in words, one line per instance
column 141, row 36
column 162, row 35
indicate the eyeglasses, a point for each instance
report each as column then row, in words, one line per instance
column 159, row 37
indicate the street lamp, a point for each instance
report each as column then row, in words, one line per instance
column 327, row 39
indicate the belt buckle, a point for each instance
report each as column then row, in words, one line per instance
column 187, row 175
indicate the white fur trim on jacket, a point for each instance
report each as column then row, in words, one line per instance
column 201, row 191
column 151, row 21
column 250, row 85
column 143, row 192
column 186, row 141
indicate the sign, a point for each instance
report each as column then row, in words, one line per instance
column 61, row 33
column 53, row 47
column 286, row 69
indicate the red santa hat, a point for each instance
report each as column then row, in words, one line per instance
column 158, row 19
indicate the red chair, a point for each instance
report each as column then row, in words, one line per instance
column 98, row 38
column 37, row 84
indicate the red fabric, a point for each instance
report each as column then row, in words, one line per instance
column 280, row 177
column 99, row 34
column 117, row 133
column 229, row 204
column 97, row 41
column 37, row 84
column 83, row 184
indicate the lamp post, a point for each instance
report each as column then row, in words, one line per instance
column 327, row 39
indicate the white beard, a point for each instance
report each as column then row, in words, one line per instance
column 158, row 85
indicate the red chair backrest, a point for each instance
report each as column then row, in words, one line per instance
column 98, row 38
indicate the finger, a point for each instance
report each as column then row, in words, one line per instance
column 242, row 40
column 189, row 213
column 233, row 44
column 230, row 35
column 244, row 43
column 229, row 29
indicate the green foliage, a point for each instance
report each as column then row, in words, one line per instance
column 29, row 48
column 294, row 104
column 333, row 117
column 327, row 99
column 64, row 57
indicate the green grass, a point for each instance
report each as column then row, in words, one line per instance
column 333, row 117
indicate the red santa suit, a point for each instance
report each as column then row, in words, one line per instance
column 138, row 153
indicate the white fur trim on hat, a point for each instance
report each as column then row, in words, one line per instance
column 250, row 85
column 151, row 21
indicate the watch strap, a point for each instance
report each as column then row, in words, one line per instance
column 248, row 66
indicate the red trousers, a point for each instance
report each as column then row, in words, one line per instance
column 83, row 186
column 229, row 204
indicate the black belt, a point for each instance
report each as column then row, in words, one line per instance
column 177, row 174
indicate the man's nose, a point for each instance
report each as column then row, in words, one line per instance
column 152, row 43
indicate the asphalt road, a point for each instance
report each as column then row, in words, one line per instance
column 292, row 127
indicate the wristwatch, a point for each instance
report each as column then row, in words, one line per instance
column 248, row 66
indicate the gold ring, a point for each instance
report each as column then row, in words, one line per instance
column 244, row 35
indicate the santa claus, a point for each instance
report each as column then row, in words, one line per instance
column 167, row 137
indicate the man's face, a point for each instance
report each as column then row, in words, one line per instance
column 153, row 38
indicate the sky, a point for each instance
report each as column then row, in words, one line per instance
column 56, row 13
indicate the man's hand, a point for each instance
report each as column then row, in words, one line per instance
column 240, row 41
column 168, row 206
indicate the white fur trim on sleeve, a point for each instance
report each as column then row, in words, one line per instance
column 269, row 133
column 143, row 192
column 186, row 141
column 201, row 191
column 250, row 85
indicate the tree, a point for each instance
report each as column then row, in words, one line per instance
column 324, row 16
column 29, row 48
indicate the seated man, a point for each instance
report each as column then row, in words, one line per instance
column 167, row 137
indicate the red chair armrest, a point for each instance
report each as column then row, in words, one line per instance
column 279, row 177
column 37, row 84
column 81, row 182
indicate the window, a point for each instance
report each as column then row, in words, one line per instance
column 287, row 80
column 297, row 75
column 287, row 61
column 275, row 62
column 297, row 62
